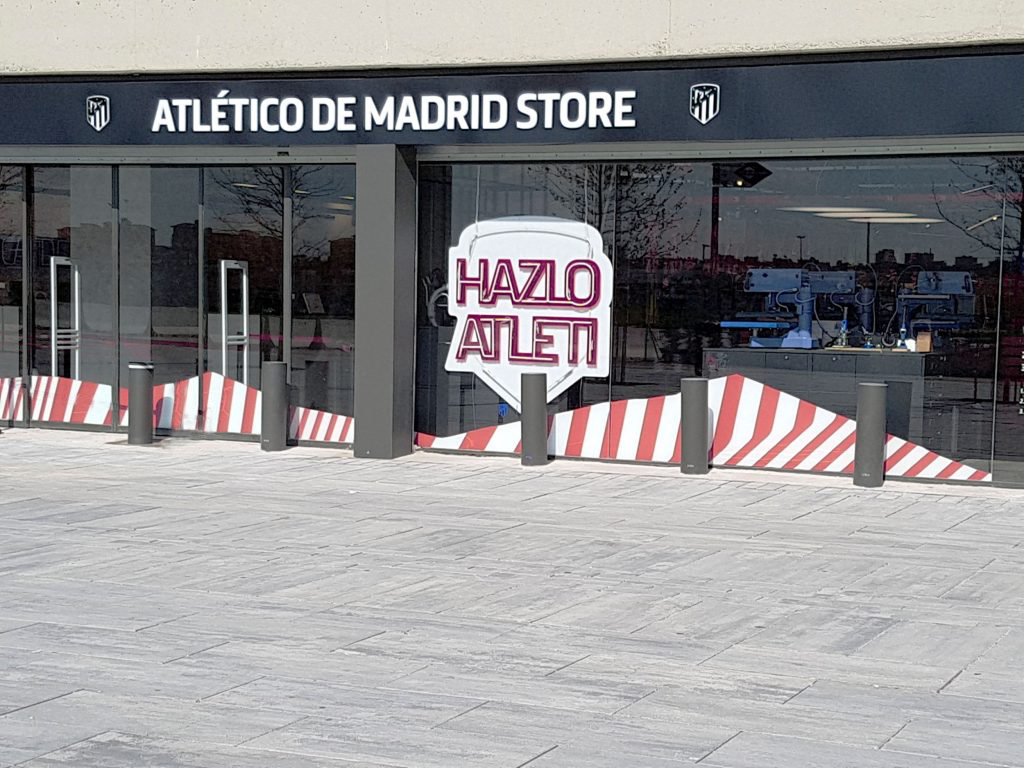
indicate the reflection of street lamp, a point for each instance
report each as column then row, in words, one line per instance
column 999, row 310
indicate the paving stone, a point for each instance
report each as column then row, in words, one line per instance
column 310, row 609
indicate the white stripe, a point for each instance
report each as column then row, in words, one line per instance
column 842, row 461
column 5, row 389
column 69, row 409
column 821, row 420
column 51, row 390
column 908, row 461
column 936, row 466
column 845, row 430
column 893, row 445
column 965, row 472
column 746, row 420
column 668, row 428
column 237, row 413
column 190, row 413
column 785, row 420
column 257, row 417
column 505, row 438
column 451, row 442
column 212, row 415
column 558, row 438
column 293, row 422
column 629, row 435
column 37, row 404
column 597, row 423
column 166, row 402
column 99, row 407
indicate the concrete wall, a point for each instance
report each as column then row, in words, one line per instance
column 92, row 36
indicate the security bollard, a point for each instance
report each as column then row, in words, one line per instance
column 140, row 403
column 693, row 454
column 534, row 419
column 869, row 450
column 274, row 408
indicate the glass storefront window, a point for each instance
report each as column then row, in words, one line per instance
column 323, row 262
column 11, row 281
column 805, row 275
column 158, row 270
column 244, row 230
column 72, row 340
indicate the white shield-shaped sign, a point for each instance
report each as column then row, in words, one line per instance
column 704, row 98
column 529, row 295
column 97, row 111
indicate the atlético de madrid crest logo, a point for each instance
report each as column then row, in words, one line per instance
column 704, row 98
column 97, row 111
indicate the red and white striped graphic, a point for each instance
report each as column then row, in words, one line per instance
column 70, row 401
column 11, row 398
column 210, row 403
column 752, row 425
column 217, row 405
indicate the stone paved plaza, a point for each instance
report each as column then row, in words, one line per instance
column 205, row 605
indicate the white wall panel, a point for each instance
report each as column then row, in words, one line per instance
column 93, row 36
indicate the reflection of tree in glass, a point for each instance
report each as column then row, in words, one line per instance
column 988, row 181
column 644, row 213
column 259, row 200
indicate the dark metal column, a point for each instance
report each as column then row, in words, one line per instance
column 694, row 426
column 385, row 301
column 274, row 406
column 140, row 403
column 534, row 419
column 869, row 450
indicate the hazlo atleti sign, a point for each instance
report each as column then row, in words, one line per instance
column 529, row 295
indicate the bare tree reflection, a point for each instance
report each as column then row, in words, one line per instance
column 989, row 181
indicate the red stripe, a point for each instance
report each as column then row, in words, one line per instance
column 249, row 414
column 979, row 474
column 804, row 418
column 225, row 405
column 180, row 398
column 950, row 470
column 83, row 401
column 477, row 439
column 41, row 399
column 302, row 423
column 613, row 432
column 122, row 405
column 897, row 455
column 577, row 431
column 330, row 426
column 17, row 404
column 836, row 452
column 316, row 425
column 677, row 451
column 60, row 399
column 728, row 413
column 923, row 462
column 649, row 429
column 766, row 412
column 519, row 447
column 347, row 426
column 812, row 446
column 423, row 440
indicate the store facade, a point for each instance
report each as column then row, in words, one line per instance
column 785, row 229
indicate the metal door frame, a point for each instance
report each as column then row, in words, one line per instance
column 234, row 340
column 66, row 338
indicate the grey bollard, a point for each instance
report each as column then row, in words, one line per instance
column 274, row 406
column 534, row 419
column 869, row 450
column 140, row 403
column 693, row 454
